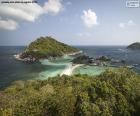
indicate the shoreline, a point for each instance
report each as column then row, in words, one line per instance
column 69, row 69
column 17, row 56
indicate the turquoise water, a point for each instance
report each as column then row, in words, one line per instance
column 12, row 70
column 90, row 70
column 54, row 67
column 57, row 66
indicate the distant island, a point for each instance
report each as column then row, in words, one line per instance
column 97, row 61
column 134, row 46
column 45, row 47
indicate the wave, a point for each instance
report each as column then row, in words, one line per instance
column 47, row 62
column 123, row 50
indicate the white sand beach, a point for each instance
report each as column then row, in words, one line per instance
column 69, row 69
column 17, row 56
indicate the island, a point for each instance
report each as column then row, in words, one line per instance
column 45, row 48
column 134, row 46
column 99, row 61
column 82, row 59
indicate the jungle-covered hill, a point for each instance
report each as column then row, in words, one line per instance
column 45, row 47
column 134, row 46
column 113, row 93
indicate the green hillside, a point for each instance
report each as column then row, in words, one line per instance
column 45, row 47
column 113, row 93
column 134, row 46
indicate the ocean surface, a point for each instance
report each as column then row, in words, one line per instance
column 12, row 70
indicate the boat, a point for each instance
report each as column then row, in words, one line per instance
column 130, row 66
column 135, row 64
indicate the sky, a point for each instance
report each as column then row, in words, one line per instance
column 74, row 22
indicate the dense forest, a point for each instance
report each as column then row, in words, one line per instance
column 113, row 93
column 45, row 47
column 134, row 46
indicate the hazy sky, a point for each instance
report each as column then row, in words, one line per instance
column 75, row 22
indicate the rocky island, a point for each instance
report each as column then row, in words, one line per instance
column 45, row 48
column 82, row 59
column 134, row 46
column 99, row 61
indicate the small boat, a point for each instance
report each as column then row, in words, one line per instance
column 113, row 65
column 130, row 66
column 135, row 64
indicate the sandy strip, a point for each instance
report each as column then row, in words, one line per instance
column 17, row 56
column 69, row 69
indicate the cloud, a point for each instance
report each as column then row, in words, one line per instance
column 130, row 23
column 85, row 34
column 127, row 24
column 53, row 6
column 89, row 18
column 122, row 25
column 8, row 24
column 17, row 12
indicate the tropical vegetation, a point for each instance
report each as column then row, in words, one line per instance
column 134, row 46
column 46, row 47
column 112, row 93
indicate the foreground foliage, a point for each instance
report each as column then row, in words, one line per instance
column 113, row 93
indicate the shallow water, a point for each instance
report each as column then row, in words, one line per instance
column 12, row 70
column 116, row 52
column 90, row 70
column 54, row 67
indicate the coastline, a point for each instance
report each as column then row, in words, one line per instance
column 69, row 69
column 17, row 56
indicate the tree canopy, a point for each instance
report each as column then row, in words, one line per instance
column 113, row 93
column 45, row 47
column 134, row 46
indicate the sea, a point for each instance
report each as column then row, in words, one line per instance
column 13, row 70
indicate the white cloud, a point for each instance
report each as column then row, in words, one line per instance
column 8, row 24
column 127, row 24
column 53, row 6
column 131, row 23
column 26, row 12
column 122, row 25
column 89, row 18
column 85, row 34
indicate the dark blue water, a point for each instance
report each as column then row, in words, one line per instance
column 12, row 70
column 116, row 52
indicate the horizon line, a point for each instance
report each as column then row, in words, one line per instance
column 68, row 44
